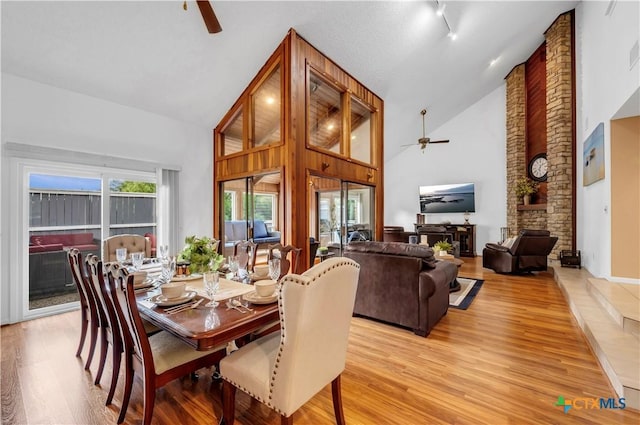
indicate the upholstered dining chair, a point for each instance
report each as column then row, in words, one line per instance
column 285, row 369
column 159, row 358
column 282, row 252
column 133, row 243
column 88, row 311
column 245, row 251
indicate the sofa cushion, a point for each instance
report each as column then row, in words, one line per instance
column 396, row 248
column 82, row 241
column 259, row 229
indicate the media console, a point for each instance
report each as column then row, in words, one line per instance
column 465, row 234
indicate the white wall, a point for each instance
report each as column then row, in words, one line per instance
column 38, row 114
column 604, row 83
column 476, row 154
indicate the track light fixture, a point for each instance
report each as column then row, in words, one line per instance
column 440, row 12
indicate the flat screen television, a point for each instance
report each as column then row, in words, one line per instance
column 448, row 198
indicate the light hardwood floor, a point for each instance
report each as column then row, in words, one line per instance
column 505, row 360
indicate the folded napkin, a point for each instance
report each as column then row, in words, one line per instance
column 228, row 289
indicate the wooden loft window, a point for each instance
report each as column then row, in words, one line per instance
column 325, row 114
column 361, row 131
column 231, row 135
column 266, row 108
column 338, row 121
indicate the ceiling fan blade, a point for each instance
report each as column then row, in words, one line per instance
column 209, row 16
column 438, row 141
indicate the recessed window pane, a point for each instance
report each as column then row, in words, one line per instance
column 232, row 135
column 360, row 132
column 266, row 104
column 325, row 114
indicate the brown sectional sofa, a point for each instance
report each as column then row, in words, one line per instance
column 402, row 284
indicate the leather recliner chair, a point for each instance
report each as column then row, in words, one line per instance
column 528, row 253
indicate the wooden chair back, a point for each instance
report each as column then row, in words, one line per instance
column 282, row 252
column 245, row 251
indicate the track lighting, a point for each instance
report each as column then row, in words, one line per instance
column 440, row 12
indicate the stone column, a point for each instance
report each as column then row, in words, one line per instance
column 516, row 131
column 560, row 132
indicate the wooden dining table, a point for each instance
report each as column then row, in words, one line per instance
column 205, row 328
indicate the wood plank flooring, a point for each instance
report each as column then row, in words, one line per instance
column 505, row 360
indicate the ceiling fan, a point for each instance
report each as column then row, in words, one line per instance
column 210, row 19
column 424, row 140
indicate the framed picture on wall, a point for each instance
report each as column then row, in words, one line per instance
column 593, row 156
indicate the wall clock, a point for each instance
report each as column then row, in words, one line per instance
column 538, row 167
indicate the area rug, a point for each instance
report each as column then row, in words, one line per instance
column 469, row 288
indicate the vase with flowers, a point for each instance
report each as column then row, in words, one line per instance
column 201, row 254
column 526, row 187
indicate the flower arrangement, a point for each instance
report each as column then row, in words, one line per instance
column 201, row 253
column 526, row 186
column 443, row 246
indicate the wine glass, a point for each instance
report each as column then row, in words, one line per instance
column 274, row 269
column 168, row 268
column 121, row 255
column 233, row 266
column 211, row 284
column 136, row 260
column 163, row 251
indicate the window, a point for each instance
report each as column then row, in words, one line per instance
column 266, row 106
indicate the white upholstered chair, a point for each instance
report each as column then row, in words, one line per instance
column 285, row 369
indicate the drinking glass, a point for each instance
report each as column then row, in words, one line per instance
column 136, row 260
column 233, row 266
column 121, row 254
column 163, row 251
column 211, row 284
column 274, row 268
column 168, row 268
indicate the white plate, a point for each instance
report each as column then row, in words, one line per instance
column 193, row 276
column 161, row 301
column 254, row 298
column 254, row 277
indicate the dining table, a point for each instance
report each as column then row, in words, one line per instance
column 205, row 328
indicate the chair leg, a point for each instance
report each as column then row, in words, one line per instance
column 228, row 404
column 336, row 392
column 286, row 420
column 128, row 385
column 104, row 345
column 83, row 332
column 92, row 345
column 149, row 401
column 115, row 371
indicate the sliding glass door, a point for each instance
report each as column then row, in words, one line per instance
column 67, row 209
column 342, row 211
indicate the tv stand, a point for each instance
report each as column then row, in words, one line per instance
column 465, row 234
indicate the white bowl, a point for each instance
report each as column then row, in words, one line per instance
column 265, row 288
column 261, row 270
column 172, row 289
column 139, row 277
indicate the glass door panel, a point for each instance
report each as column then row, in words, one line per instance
column 359, row 211
column 266, row 105
column 132, row 208
column 64, row 212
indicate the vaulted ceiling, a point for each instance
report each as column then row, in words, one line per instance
column 155, row 56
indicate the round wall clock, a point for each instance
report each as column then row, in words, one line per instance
column 538, row 167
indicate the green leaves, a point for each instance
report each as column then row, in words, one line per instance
column 201, row 253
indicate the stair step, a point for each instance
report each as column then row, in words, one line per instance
column 617, row 350
column 620, row 300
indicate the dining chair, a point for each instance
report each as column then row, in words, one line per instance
column 246, row 251
column 110, row 334
column 158, row 358
column 285, row 369
column 87, row 306
column 282, row 252
column 133, row 243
